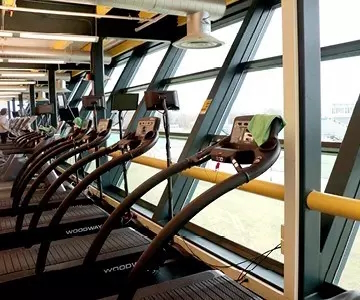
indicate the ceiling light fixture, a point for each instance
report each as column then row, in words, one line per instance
column 22, row 74
column 8, row 82
column 14, row 88
column 35, row 61
column 59, row 37
column 5, row 33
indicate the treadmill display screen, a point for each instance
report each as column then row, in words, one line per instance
column 68, row 114
column 124, row 102
column 103, row 125
column 44, row 109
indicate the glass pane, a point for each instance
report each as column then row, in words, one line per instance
column 247, row 219
column 338, row 24
column 191, row 98
column 137, row 174
column 206, row 59
column 350, row 276
column 114, row 77
column 148, row 67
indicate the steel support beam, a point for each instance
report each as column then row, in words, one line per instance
column 9, row 109
column 123, row 82
column 13, row 105
column 21, row 102
column 302, row 107
column 52, row 97
column 220, row 99
column 338, row 234
column 32, row 103
column 84, row 84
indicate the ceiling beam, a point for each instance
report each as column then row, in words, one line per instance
column 35, row 66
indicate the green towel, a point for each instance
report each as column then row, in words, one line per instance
column 78, row 121
column 260, row 126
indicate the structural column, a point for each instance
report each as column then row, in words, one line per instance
column 9, row 109
column 13, row 104
column 98, row 71
column 21, row 103
column 52, row 97
column 302, row 110
column 32, row 104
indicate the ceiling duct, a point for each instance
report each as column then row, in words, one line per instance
column 215, row 8
column 41, row 97
column 198, row 33
column 41, row 53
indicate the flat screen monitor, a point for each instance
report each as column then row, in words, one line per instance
column 15, row 114
column 44, row 109
column 154, row 100
column 68, row 114
column 61, row 100
column 124, row 102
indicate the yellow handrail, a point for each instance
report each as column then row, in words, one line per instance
column 263, row 188
column 334, row 205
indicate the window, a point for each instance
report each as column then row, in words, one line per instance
column 201, row 60
column 339, row 23
column 114, row 77
column 350, row 276
column 148, row 67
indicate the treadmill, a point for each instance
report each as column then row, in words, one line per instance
column 38, row 267
column 82, row 218
column 37, row 163
column 238, row 149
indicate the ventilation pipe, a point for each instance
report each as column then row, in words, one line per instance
column 215, row 8
column 38, row 53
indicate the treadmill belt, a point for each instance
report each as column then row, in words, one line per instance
column 209, row 285
column 75, row 213
column 57, row 197
column 20, row 262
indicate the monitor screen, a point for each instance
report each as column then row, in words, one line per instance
column 44, row 109
column 68, row 114
column 61, row 100
column 15, row 114
column 124, row 102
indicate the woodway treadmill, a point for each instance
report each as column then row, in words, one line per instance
column 238, row 149
column 61, row 261
column 80, row 219
column 35, row 163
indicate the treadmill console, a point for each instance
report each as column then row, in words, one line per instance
column 240, row 149
column 85, row 124
column 103, row 125
column 146, row 125
column 240, row 132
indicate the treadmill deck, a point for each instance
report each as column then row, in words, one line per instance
column 209, row 285
column 74, row 214
column 68, row 253
column 57, row 197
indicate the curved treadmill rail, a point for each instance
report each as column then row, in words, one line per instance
column 144, row 146
column 52, row 166
column 32, row 158
column 36, row 167
column 140, row 191
column 198, row 204
column 35, row 161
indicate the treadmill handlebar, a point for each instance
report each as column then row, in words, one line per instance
column 116, row 216
column 90, row 141
column 264, row 157
column 141, row 144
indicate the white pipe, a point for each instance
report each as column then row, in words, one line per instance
column 215, row 8
column 63, row 55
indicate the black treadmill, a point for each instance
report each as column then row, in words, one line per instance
column 80, row 219
column 36, row 267
column 238, row 149
column 35, row 163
